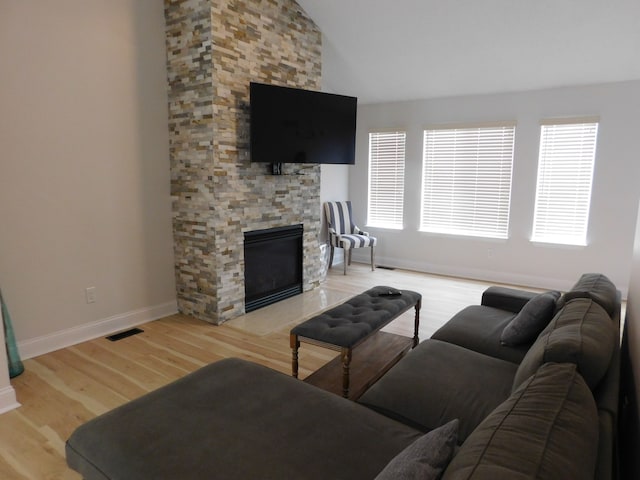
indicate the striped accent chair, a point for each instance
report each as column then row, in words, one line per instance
column 343, row 232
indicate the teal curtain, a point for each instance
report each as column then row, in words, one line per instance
column 13, row 357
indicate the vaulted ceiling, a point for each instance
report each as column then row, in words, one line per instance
column 390, row 50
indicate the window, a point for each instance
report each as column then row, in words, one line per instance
column 565, row 174
column 466, row 180
column 386, row 179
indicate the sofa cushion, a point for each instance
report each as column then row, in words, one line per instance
column 596, row 287
column 479, row 328
column 437, row 382
column 426, row 458
column 531, row 320
column 548, row 428
column 235, row 419
column 580, row 333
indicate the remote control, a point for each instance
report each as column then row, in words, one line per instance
column 392, row 292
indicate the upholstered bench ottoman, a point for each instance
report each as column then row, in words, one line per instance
column 348, row 325
column 235, row 419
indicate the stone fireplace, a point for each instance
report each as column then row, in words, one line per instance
column 214, row 49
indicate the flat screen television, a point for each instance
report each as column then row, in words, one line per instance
column 291, row 125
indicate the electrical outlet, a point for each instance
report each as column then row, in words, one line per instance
column 90, row 294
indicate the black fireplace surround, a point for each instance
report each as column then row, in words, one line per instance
column 272, row 265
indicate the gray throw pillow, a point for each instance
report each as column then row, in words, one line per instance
column 426, row 458
column 531, row 320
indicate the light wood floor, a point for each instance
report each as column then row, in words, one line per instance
column 63, row 389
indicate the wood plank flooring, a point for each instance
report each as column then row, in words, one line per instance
column 61, row 390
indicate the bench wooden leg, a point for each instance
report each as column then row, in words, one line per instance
column 346, row 361
column 416, row 323
column 295, row 345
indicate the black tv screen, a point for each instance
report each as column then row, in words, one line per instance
column 291, row 125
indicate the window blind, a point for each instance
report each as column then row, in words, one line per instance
column 386, row 179
column 466, row 184
column 565, row 176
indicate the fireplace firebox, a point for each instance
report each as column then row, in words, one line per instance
column 272, row 265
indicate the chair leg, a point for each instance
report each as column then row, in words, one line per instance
column 346, row 254
column 373, row 265
column 349, row 257
column 331, row 257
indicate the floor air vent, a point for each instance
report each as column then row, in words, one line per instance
column 127, row 333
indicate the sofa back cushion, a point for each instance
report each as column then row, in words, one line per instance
column 598, row 288
column 548, row 428
column 581, row 333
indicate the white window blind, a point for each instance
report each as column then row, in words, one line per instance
column 386, row 179
column 466, row 180
column 565, row 175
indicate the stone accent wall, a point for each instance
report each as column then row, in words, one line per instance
column 214, row 49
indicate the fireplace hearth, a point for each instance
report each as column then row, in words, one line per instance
column 273, row 265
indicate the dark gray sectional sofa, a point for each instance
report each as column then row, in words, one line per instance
column 525, row 385
column 466, row 372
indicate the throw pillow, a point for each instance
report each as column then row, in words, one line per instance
column 531, row 320
column 426, row 458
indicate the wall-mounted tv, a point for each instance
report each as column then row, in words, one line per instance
column 291, row 125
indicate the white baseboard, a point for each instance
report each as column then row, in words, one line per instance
column 65, row 338
column 8, row 399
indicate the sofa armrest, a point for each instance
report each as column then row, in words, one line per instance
column 504, row 298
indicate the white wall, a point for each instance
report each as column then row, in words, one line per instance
column 84, row 172
column 516, row 260
column 334, row 186
column 630, row 370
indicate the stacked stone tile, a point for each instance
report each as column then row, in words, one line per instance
column 214, row 49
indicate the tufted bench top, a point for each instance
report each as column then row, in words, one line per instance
column 354, row 320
